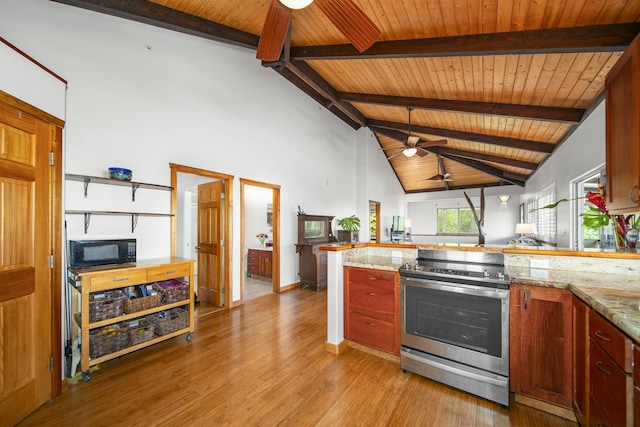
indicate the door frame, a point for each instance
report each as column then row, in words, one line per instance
column 275, row 272
column 227, row 185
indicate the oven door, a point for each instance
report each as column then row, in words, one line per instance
column 463, row 323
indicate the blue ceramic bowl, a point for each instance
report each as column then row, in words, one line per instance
column 120, row 174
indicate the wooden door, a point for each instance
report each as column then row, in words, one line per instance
column 210, row 243
column 25, row 276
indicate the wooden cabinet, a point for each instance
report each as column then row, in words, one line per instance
column 541, row 343
column 372, row 308
column 260, row 263
column 636, row 386
column 92, row 281
column 623, row 132
column 581, row 402
column 313, row 232
column 610, row 370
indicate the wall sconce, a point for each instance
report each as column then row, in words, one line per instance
column 504, row 198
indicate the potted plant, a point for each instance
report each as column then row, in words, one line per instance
column 350, row 226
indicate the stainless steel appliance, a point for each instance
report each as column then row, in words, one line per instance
column 455, row 321
column 91, row 253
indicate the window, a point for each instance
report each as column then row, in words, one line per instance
column 585, row 237
column 544, row 219
column 457, row 220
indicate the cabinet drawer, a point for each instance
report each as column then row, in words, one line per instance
column 612, row 340
column 252, row 256
column 165, row 272
column 372, row 332
column 597, row 417
column 373, row 277
column 118, row 279
column 610, row 386
column 372, row 300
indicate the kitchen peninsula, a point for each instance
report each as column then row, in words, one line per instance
column 551, row 282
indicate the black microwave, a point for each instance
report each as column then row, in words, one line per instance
column 91, row 253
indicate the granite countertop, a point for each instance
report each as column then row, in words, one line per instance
column 378, row 262
column 614, row 296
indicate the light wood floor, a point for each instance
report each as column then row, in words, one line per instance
column 265, row 364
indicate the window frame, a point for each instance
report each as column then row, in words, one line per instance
column 458, row 233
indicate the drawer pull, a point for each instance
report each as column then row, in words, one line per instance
column 603, row 337
column 373, row 278
column 122, row 279
column 371, row 294
column 370, row 324
column 599, row 366
column 169, row 272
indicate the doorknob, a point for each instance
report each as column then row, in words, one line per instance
column 197, row 247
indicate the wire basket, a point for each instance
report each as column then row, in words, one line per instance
column 173, row 290
column 108, row 339
column 143, row 303
column 168, row 321
column 140, row 330
column 105, row 305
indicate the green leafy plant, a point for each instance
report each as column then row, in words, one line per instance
column 350, row 223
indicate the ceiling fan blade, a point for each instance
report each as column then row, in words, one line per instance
column 422, row 152
column 394, row 155
column 351, row 21
column 427, row 143
column 274, row 32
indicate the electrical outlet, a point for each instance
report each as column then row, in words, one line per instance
column 539, row 263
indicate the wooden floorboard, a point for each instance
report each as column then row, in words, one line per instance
column 264, row 363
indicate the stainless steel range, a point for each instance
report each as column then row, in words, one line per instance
column 455, row 321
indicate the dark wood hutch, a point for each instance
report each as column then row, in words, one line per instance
column 313, row 232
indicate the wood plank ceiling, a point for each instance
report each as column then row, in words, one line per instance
column 505, row 82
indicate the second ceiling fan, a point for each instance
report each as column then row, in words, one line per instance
column 347, row 17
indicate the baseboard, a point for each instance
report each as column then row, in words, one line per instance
column 289, row 287
column 560, row 411
column 379, row 353
column 336, row 348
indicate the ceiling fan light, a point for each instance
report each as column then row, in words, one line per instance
column 296, row 4
column 409, row 151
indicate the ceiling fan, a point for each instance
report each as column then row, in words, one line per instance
column 441, row 177
column 414, row 145
column 348, row 18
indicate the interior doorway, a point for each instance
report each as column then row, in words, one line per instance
column 259, row 215
column 186, row 229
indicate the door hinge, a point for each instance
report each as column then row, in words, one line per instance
column 50, row 261
column 51, row 364
column 221, row 242
column 52, row 159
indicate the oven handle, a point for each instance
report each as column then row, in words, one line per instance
column 457, row 287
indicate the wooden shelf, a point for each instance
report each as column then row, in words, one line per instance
column 108, row 181
column 134, row 216
column 92, row 325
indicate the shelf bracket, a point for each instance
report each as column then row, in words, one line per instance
column 134, row 187
column 87, row 221
column 86, row 188
column 134, row 222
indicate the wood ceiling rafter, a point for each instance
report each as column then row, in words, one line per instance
column 522, row 144
column 534, row 112
column 167, row 18
column 599, row 38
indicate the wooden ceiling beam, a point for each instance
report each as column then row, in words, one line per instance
column 490, row 158
column 521, row 144
column 509, row 177
column 533, row 112
column 320, row 85
column 455, row 187
column 598, row 38
column 170, row 19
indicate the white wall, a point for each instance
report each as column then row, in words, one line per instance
column 141, row 97
column 500, row 219
column 583, row 151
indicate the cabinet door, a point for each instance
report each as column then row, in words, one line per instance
column 623, row 132
column 265, row 263
column 580, row 360
column 546, row 344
